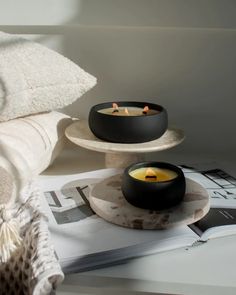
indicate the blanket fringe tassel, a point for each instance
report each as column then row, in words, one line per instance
column 10, row 238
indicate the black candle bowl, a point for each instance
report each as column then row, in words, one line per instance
column 153, row 195
column 128, row 129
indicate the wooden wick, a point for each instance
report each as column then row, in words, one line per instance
column 115, row 111
column 150, row 176
column 145, row 110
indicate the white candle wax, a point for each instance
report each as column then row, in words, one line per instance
column 132, row 111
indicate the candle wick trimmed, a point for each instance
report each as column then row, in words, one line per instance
column 115, row 111
column 145, row 110
column 150, row 176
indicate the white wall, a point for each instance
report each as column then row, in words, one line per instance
column 178, row 53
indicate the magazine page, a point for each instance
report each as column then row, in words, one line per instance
column 221, row 219
column 220, row 185
column 78, row 234
column 218, row 222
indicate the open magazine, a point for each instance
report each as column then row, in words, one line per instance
column 85, row 241
column 221, row 219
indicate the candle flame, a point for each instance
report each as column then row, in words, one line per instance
column 145, row 110
column 126, row 111
column 150, row 173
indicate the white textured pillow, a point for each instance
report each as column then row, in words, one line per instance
column 35, row 79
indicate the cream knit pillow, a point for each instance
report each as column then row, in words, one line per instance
column 35, row 79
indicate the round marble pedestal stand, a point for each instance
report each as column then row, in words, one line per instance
column 120, row 155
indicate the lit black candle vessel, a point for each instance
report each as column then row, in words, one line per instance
column 128, row 122
column 153, row 185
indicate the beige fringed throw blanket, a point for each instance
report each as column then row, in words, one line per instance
column 32, row 268
column 33, row 80
column 27, row 147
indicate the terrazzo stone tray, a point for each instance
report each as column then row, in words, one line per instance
column 119, row 155
column 107, row 200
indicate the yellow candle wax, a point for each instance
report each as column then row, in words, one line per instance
column 153, row 174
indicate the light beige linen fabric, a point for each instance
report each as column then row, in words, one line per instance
column 27, row 147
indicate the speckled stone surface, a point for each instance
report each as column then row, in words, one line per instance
column 122, row 160
column 107, row 200
column 79, row 133
column 121, row 154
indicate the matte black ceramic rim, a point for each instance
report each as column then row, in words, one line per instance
column 140, row 104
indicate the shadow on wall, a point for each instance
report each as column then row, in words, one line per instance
column 177, row 54
column 163, row 13
column 187, row 70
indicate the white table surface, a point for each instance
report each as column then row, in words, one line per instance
column 206, row 269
